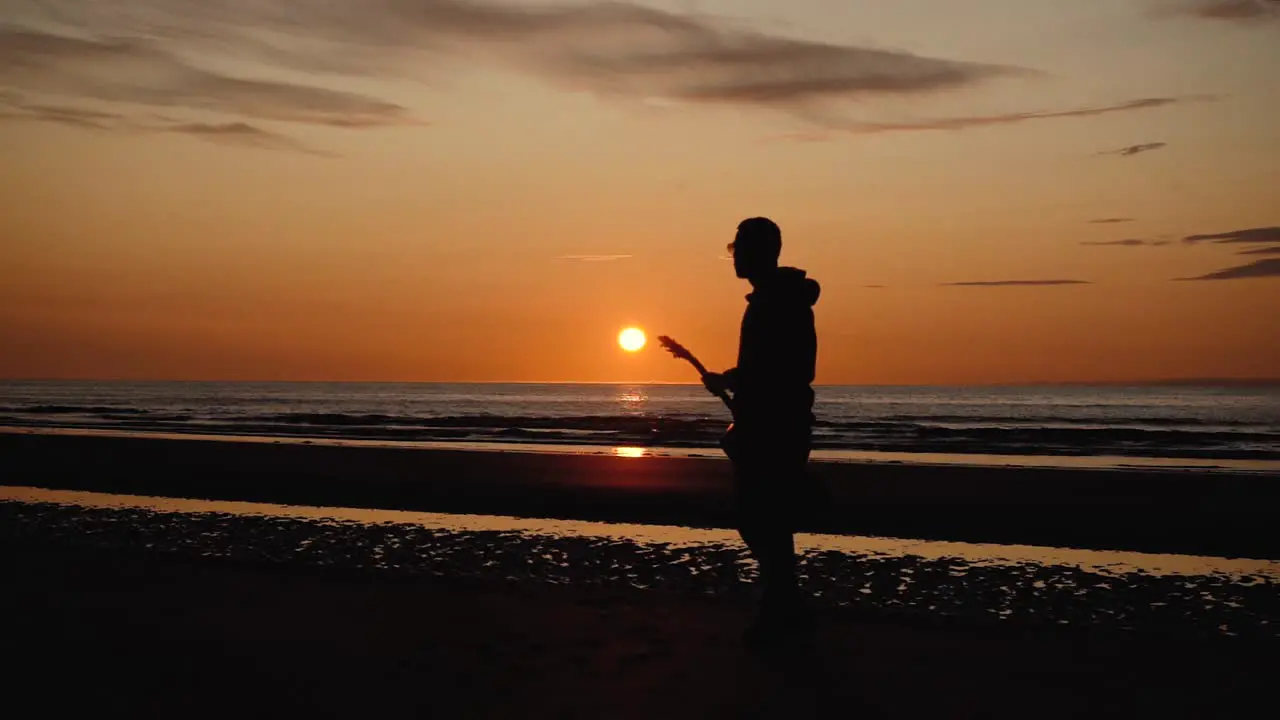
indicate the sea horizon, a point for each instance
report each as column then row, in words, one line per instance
column 1155, row 382
column 1223, row 426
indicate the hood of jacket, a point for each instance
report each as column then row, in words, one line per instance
column 787, row 286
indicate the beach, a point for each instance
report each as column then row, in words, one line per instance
column 1181, row 511
column 142, row 581
column 150, row 637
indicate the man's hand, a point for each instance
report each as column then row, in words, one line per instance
column 716, row 383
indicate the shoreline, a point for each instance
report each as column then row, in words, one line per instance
column 1214, row 465
column 1184, row 512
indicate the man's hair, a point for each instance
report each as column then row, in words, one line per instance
column 761, row 234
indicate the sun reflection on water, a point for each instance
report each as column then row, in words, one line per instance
column 632, row 397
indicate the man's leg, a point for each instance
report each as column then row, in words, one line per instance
column 780, row 591
column 782, row 597
column 749, row 506
column 767, row 495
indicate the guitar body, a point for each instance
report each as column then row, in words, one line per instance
column 730, row 442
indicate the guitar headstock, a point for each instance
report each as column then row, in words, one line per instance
column 676, row 349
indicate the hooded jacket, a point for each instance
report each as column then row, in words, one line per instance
column 777, row 352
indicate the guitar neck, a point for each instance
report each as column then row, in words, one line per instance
column 697, row 365
column 702, row 372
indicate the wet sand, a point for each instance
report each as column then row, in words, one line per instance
column 150, row 637
column 1026, row 586
column 1190, row 511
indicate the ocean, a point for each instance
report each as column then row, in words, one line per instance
column 1225, row 427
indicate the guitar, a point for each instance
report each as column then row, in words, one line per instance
column 729, row 441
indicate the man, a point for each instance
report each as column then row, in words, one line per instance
column 773, row 417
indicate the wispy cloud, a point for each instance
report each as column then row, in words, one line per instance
column 1135, row 149
column 1273, row 250
column 608, row 48
column 15, row 108
column 1233, row 10
column 75, row 117
column 137, row 72
column 1015, row 283
column 1128, row 242
column 961, row 123
column 1266, row 267
column 245, row 135
column 875, row 287
column 592, row 258
column 1110, row 220
column 1250, row 235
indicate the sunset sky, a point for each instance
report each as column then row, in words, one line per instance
column 989, row 191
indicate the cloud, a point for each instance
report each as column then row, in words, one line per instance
column 875, row 287
column 244, row 135
column 593, row 258
column 1266, row 267
column 607, row 48
column 1273, row 250
column 127, row 70
column 75, row 117
column 1128, row 242
column 1106, row 221
column 1016, row 283
column 1233, row 10
column 1250, row 235
column 14, row 107
column 623, row 48
column 1135, row 149
column 961, row 123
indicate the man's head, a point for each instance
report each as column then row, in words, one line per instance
column 756, row 247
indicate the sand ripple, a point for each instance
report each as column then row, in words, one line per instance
column 1212, row 603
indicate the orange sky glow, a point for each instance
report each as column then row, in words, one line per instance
column 1000, row 191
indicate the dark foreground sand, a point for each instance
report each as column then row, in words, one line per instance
column 1190, row 512
column 1044, row 587
column 152, row 637
column 216, row 615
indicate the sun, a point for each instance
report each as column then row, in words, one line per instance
column 631, row 339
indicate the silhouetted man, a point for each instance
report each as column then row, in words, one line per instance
column 773, row 416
